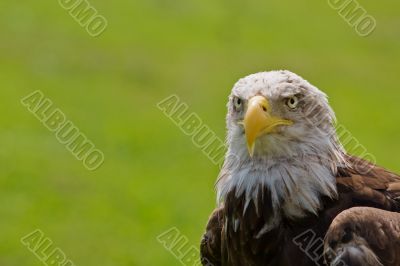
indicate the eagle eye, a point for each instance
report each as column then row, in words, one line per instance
column 237, row 103
column 292, row 102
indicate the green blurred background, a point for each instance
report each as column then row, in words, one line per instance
column 154, row 178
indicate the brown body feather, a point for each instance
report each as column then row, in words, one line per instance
column 232, row 235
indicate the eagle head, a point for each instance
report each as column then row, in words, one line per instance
column 281, row 138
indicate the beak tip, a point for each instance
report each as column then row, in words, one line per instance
column 250, row 147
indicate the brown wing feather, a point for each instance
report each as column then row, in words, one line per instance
column 210, row 247
column 366, row 236
column 370, row 184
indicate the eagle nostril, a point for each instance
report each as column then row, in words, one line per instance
column 264, row 108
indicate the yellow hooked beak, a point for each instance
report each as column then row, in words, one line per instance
column 259, row 121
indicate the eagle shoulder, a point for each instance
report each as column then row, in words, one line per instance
column 369, row 185
column 367, row 231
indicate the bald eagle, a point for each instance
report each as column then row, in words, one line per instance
column 287, row 175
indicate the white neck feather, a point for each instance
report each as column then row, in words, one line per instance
column 296, row 181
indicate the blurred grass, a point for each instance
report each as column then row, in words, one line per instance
column 154, row 178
